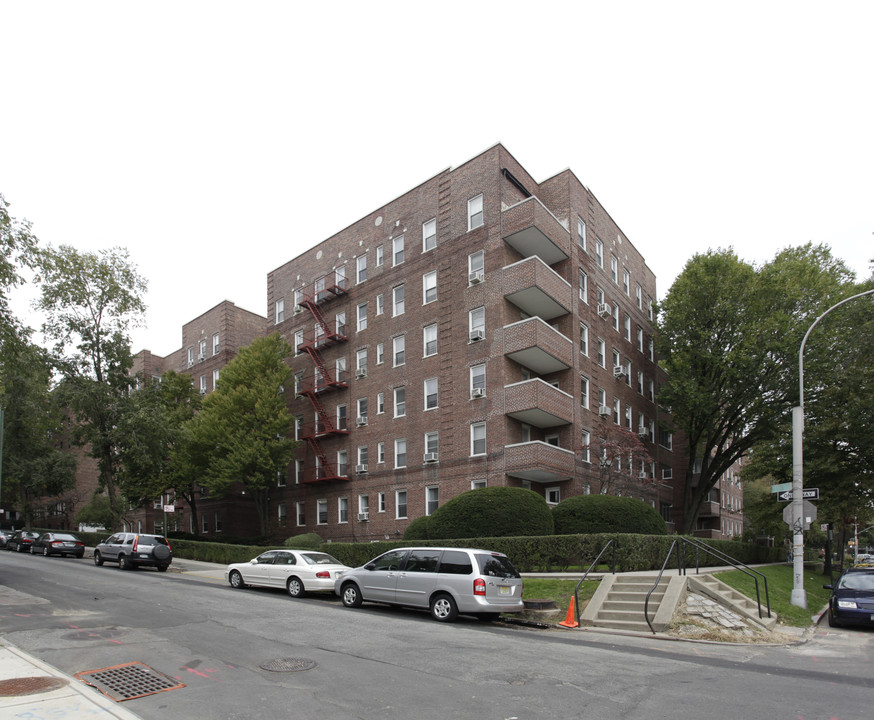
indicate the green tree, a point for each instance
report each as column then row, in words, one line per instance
column 622, row 458
column 18, row 247
column 35, row 465
column 729, row 335
column 90, row 301
column 242, row 433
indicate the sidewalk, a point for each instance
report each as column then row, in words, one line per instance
column 29, row 688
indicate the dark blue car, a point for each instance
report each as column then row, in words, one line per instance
column 852, row 600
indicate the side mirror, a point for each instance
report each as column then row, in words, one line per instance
column 369, row 566
column 253, row 561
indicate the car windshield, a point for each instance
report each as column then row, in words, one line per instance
column 857, row 581
column 317, row 558
column 496, row 566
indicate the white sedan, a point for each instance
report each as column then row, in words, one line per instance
column 298, row 571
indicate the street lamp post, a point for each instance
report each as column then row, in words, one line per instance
column 799, row 595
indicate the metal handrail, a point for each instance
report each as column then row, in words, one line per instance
column 586, row 574
column 680, row 544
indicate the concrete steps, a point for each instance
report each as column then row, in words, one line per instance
column 709, row 586
column 619, row 602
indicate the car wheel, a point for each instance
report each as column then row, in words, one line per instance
column 294, row 587
column 351, row 595
column 98, row 558
column 236, row 580
column 162, row 568
column 30, row 550
column 832, row 620
column 443, row 608
column 45, row 551
column 124, row 563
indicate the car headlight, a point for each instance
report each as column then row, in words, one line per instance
column 847, row 604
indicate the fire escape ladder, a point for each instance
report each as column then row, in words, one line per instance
column 323, row 424
column 324, row 464
column 316, row 357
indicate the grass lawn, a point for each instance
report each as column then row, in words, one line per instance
column 780, row 583
column 561, row 591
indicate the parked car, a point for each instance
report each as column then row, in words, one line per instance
column 4, row 536
column 21, row 540
column 298, row 571
column 446, row 581
column 58, row 544
column 852, row 600
column 133, row 550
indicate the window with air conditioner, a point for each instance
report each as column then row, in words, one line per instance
column 478, row 381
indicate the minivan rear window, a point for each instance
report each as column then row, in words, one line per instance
column 496, row 566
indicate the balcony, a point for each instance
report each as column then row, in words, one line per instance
column 536, row 345
column 322, row 428
column 535, row 288
column 538, row 462
column 530, row 229
column 538, row 403
column 709, row 508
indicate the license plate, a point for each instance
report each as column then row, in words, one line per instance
column 504, row 590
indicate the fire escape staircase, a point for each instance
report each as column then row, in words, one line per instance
column 323, row 380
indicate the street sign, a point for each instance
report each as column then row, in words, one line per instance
column 781, row 487
column 169, row 508
column 808, row 515
column 806, row 494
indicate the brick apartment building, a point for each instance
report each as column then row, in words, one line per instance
column 482, row 329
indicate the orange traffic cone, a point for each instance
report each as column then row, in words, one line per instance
column 571, row 620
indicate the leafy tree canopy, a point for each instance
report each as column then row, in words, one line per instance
column 18, row 247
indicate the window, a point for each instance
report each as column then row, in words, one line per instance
column 602, row 300
column 429, row 235
column 342, row 462
column 203, row 384
column 581, row 233
column 397, row 250
column 215, row 344
column 380, row 502
column 602, row 353
column 380, row 256
column 478, row 438
column 476, row 262
column 650, row 307
column 298, row 299
column 322, row 511
column 477, row 484
column 429, row 339
column 599, row 252
column 430, row 393
column 380, row 305
column 432, row 499
column 380, row 353
column 363, row 504
column 638, row 296
column 361, row 455
column 400, row 395
column 617, row 411
column 477, row 319
column 343, row 509
column 614, row 269
column 584, row 286
column 201, row 354
column 478, row 380
column 651, row 350
column 552, row 495
column 584, row 339
column 640, row 381
column 602, row 398
column 362, row 408
column 626, row 282
column 397, row 294
column 587, row 443
column 280, row 310
column 666, row 440
column 398, row 350
column 300, row 513
column 432, row 443
column 361, row 269
column 361, row 317
column 628, row 416
column 652, row 390
column 615, row 317
column 380, row 403
column 298, row 341
column 640, row 338
column 475, row 212
column 401, row 454
column 400, row 504
column 380, row 454
column 429, row 287
column 584, row 392
column 341, row 417
column 361, row 362
column 626, row 321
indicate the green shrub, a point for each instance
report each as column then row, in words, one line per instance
column 307, row 541
column 418, row 529
column 492, row 512
column 583, row 514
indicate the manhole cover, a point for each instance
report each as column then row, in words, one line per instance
column 29, row 686
column 288, row 665
column 128, row 681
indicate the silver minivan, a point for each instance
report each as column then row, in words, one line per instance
column 446, row 581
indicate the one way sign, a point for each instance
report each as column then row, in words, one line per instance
column 806, row 494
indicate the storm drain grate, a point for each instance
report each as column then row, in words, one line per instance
column 128, row 681
column 15, row 687
column 288, row 665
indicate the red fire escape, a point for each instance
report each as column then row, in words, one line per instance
column 324, row 380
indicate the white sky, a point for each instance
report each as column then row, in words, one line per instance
column 218, row 140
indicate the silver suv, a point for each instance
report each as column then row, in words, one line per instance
column 447, row 581
column 131, row 550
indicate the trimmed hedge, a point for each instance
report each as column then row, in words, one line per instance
column 418, row 529
column 504, row 511
column 585, row 514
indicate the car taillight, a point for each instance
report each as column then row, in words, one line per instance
column 56, row 542
column 136, row 542
column 479, row 587
column 323, row 574
column 168, row 546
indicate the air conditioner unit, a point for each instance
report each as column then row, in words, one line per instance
column 619, row 371
column 478, row 392
column 361, row 372
column 603, row 410
column 363, row 516
column 361, row 469
column 361, row 420
column 475, row 277
column 603, row 310
column 298, row 309
column 430, row 457
column 190, row 363
column 200, row 357
column 643, row 475
column 476, row 335
column 643, row 431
